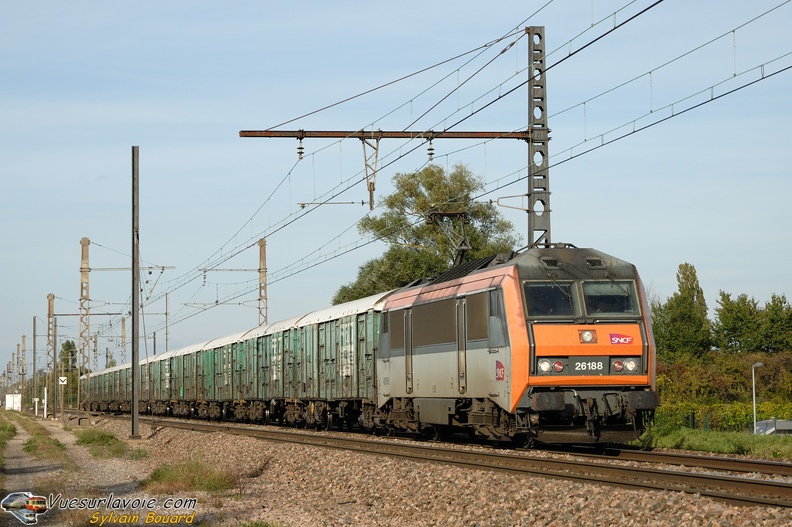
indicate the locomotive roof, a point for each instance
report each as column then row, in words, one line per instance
column 571, row 262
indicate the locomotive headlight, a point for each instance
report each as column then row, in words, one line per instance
column 544, row 365
column 588, row 336
column 631, row 365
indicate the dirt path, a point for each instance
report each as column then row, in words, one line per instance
column 81, row 476
column 23, row 472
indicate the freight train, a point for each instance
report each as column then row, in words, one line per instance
column 551, row 344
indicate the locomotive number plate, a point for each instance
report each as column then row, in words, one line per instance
column 589, row 365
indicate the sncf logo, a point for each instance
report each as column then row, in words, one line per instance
column 500, row 371
column 620, row 339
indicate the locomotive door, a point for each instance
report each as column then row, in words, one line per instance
column 461, row 325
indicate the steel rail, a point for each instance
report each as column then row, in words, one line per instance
column 724, row 463
column 709, row 462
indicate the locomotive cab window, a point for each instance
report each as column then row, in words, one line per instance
column 616, row 297
column 550, row 299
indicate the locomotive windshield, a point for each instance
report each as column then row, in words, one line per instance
column 600, row 298
column 547, row 299
column 616, row 297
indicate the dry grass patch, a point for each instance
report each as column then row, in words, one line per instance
column 190, row 475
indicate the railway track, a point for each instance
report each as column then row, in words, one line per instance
column 712, row 462
column 601, row 469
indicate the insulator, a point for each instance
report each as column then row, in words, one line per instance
column 430, row 150
column 300, row 150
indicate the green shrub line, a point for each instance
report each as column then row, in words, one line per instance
column 721, row 417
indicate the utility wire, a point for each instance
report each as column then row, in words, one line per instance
column 270, row 232
column 235, row 296
column 517, row 180
column 212, row 263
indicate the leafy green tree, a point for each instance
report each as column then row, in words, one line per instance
column 681, row 326
column 776, row 325
column 737, row 327
column 396, row 267
column 68, row 355
column 420, row 247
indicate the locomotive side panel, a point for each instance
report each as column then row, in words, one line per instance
column 433, row 354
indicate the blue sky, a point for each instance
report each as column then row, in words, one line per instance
column 80, row 83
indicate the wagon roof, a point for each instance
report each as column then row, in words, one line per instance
column 354, row 307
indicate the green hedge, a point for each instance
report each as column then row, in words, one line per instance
column 722, row 417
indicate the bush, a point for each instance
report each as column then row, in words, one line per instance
column 726, row 417
column 101, row 443
column 189, row 475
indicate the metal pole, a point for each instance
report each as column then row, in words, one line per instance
column 35, row 371
column 753, row 388
column 135, row 294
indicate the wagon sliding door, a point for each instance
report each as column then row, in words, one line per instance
column 366, row 331
column 347, row 348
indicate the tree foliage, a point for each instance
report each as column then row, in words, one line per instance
column 68, row 355
column 742, row 326
column 681, row 326
column 398, row 266
column 776, row 325
column 711, row 363
column 420, row 248
column 723, row 377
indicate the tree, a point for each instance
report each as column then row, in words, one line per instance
column 418, row 247
column 737, row 326
column 398, row 266
column 776, row 325
column 68, row 355
column 681, row 326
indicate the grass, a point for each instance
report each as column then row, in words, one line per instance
column 7, row 431
column 190, row 475
column 101, row 443
column 41, row 444
column 105, row 444
column 727, row 443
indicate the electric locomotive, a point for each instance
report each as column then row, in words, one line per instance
column 553, row 344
